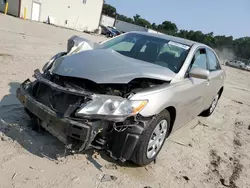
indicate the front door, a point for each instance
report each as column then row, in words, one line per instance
column 35, row 11
column 194, row 91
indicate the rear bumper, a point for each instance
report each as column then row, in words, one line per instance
column 60, row 127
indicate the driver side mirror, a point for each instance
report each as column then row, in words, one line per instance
column 199, row 73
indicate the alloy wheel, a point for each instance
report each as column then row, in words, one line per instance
column 157, row 138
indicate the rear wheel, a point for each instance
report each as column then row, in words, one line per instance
column 152, row 139
column 212, row 107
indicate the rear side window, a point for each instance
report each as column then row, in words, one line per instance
column 213, row 61
column 200, row 59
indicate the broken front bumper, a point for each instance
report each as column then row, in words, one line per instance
column 121, row 145
column 60, row 127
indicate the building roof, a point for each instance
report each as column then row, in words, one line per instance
column 168, row 37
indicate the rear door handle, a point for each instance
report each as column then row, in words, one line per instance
column 207, row 83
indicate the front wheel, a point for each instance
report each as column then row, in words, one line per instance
column 152, row 139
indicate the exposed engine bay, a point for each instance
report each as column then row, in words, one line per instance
column 64, row 105
column 122, row 90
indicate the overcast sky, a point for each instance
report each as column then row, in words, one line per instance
column 223, row 17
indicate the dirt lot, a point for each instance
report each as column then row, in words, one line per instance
column 212, row 152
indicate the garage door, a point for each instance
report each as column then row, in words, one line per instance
column 35, row 11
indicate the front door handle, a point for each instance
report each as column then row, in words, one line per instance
column 207, row 83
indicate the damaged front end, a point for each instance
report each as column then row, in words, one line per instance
column 84, row 119
column 84, row 114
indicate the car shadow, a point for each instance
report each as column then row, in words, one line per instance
column 103, row 154
column 128, row 164
column 15, row 125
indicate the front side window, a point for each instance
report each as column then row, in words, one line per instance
column 213, row 61
column 159, row 51
column 200, row 59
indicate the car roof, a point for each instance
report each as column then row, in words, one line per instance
column 168, row 37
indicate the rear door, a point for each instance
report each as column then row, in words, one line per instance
column 216, row 75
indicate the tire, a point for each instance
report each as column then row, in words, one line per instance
column 140, row 156
column 212, row 107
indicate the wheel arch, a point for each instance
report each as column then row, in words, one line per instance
column 172, row 112
column 221, row 91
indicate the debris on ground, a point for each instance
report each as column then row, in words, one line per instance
column 237, row 101
column 14, row 175
column 238, row 123
column 36, row 169
column 111, row 166
column 204, row 124
column 107, row 177
column 95, row 155
column 186, row 178
column 75, row 179
column 49, row 158
column 179, row 143
column 237, row 142
column 59, row 158
column 200, row 123
column 225, row 182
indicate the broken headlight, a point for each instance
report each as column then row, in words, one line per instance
column 115, row 106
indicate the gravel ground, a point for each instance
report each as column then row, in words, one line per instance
column 207, row 152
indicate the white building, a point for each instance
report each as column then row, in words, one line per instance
column 83, row 15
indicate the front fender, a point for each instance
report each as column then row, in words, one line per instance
column 49, row 64
column 158, row 100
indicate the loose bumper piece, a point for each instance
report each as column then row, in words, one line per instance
column 62, row 128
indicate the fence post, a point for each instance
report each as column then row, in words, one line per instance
column 6, row 8
column 25, row 13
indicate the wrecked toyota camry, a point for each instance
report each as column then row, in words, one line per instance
column 125, row 95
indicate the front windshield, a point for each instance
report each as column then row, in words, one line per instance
column 154, row 50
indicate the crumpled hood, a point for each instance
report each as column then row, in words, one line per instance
column 108, row 66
